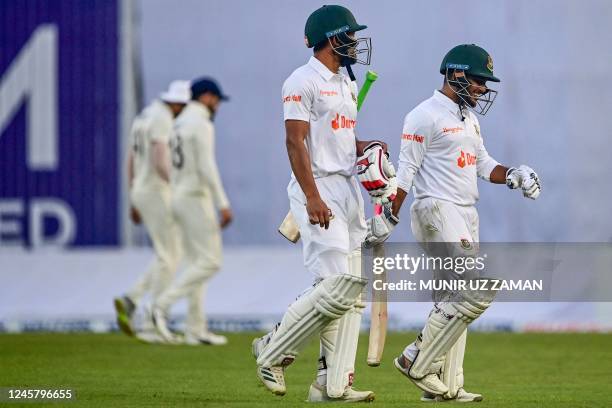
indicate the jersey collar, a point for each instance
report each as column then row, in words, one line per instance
column 447, row 102
column 200, row 108
column 320, row 68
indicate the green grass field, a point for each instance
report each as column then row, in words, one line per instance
column 107, row 370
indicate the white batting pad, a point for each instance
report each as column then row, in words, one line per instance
column 329, row 299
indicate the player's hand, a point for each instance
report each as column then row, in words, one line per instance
column 226, row 217
column 380, row 227
column 525, row 178
column 318, row 212
column 377, row 174
column 135, row 215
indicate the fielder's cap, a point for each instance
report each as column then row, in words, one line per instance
column 202, row 85
column 178, row 92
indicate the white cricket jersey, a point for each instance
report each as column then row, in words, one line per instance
column 153, row 124
column 194, row 168
column 328, row 102
column 442, row 155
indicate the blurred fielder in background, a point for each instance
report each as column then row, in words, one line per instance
column 197, row 196
column 442, row 155
column 149, row 177
column 320, row 110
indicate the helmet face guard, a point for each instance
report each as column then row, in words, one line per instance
column 460, row 85
column 352, row 50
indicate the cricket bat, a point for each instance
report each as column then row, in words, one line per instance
column 289, row 228
column 378, row 317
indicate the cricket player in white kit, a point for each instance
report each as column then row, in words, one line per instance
column 198, row 198
column 442, row 155
column 320, row 111
column 148, row 173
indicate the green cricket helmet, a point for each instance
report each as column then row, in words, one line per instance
column 333, row 21
column 476, row 63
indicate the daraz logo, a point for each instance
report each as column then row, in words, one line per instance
column 466, row 159
column 342, row 122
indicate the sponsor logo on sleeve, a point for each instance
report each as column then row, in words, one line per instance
column 292, row 98
column 413, row 138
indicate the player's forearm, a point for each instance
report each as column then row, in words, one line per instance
column 210, row 176
column 498, row 175
column 130, row 168
column 399, row 200
column 301, row 167
column 221, row 200
column 161, row 161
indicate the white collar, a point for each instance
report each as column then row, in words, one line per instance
column 320, row 68
column 447, row 102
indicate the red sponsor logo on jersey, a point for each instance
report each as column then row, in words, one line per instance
column 413, row 138
column 452, row 130
column 328, row 93
column 342, row 122
column 292, row 98
column 466, row 159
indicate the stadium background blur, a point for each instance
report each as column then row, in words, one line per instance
column 73, row 74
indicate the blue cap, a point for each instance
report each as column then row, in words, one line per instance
column 202, row 85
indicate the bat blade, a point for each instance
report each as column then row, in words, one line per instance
column 379, row 319
column 289, row 228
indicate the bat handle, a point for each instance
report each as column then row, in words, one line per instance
column 378, row 209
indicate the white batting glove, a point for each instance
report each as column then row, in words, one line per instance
column 380, row 227
column 525, row 178
column 377, row 174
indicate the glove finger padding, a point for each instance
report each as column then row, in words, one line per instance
column 531, row 186
column 525, row 178
column 388, row 194
column 377, row 174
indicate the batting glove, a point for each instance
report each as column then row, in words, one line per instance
column 525, row 178
column 377, row 174
column 380, row 226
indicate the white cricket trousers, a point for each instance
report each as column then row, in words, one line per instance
column 326, row 251
column 198, row 223
column 154, row 206
column 435, row 220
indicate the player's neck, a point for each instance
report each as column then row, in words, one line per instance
column 450, row 94
column 329, row 60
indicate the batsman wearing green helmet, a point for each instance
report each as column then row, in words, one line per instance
column 442, row 156
column 320, row 115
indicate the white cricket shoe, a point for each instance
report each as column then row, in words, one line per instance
column 209, row 338
column 318, row 393
column 273, row 378
column 430, row 383
column 462, row 396
column 161, row 325
column 150, row 337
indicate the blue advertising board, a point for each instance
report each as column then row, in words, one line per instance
column 59, row 123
